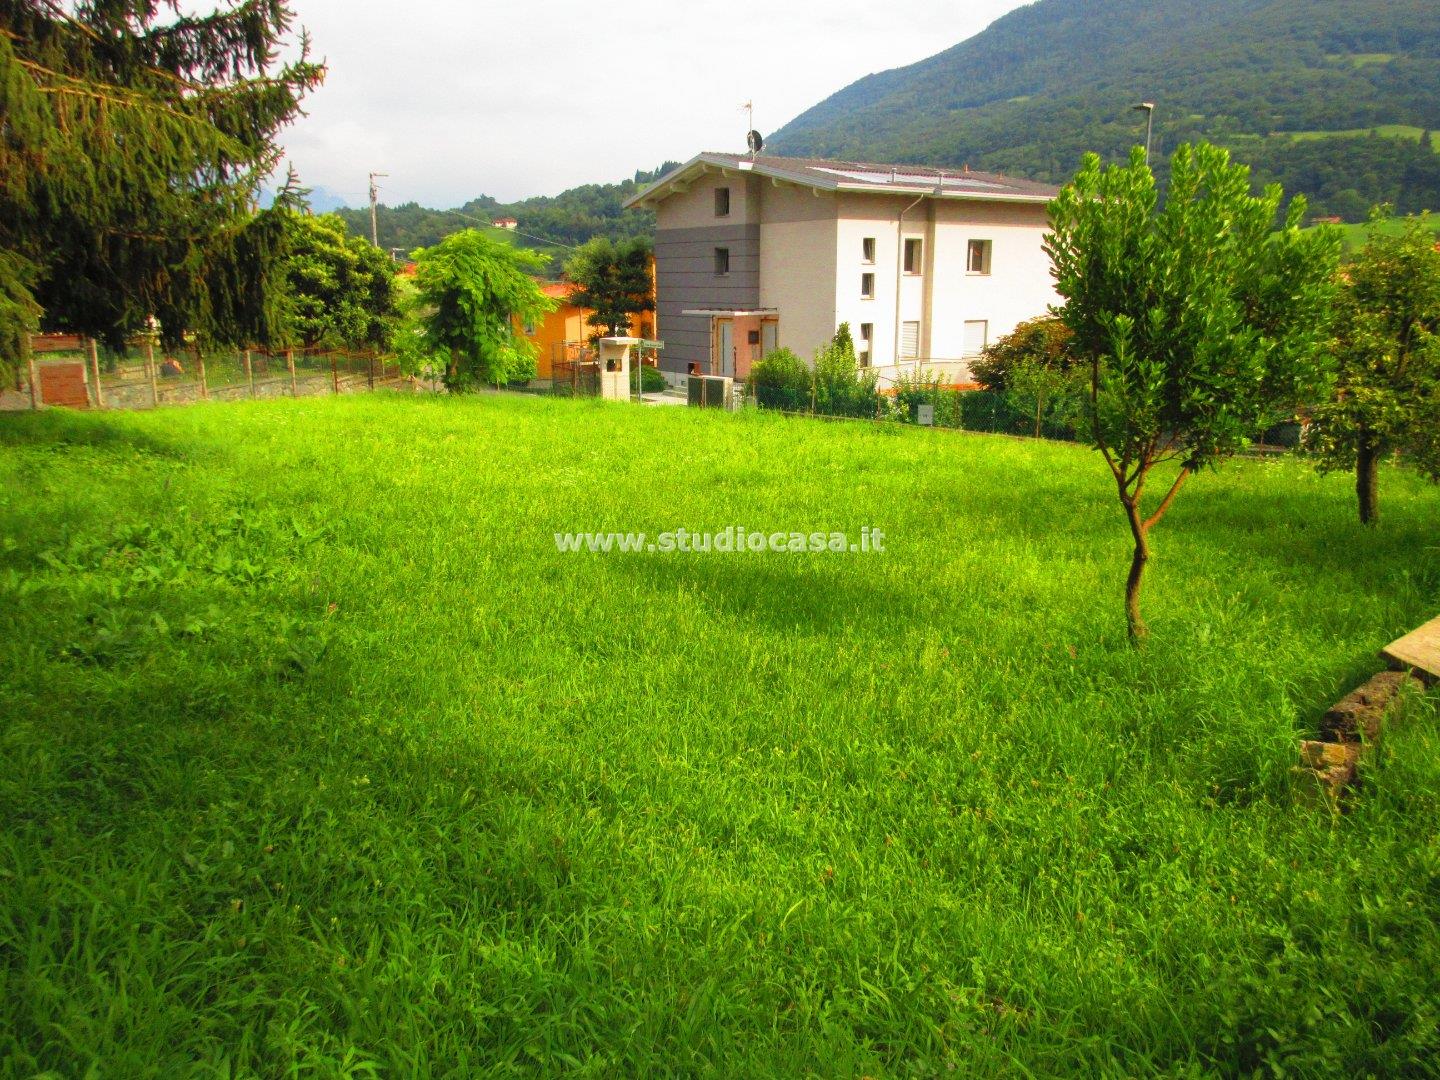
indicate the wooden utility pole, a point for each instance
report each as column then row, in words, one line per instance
column 249, row 373
column 290, row 363
column 95, row 371
column 374, row 197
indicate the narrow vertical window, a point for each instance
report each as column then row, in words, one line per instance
column 977, row 259
column 914, row 254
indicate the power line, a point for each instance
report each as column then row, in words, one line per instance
column 517, row 232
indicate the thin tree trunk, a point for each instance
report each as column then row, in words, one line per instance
column 1367, row 480
column 1140, row 531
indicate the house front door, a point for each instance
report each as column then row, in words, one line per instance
column 724, row 360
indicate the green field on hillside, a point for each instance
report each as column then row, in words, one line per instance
column 1394, row 131
column 319, row 759
column 1353, row 236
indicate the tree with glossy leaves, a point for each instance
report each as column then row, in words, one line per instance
column 1387, row 344
column 135, row 140
column 1200, row 322
column 612, row 279
column 340, row 289
column 471, row 291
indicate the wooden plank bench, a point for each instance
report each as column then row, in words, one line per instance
column 1417, row 651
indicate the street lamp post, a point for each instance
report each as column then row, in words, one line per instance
column 1148, row 108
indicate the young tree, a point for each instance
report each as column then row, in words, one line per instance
column 1201, row 324
column 613, row 279
column 132, row 153
column 1387, row 394
column 340, row 288
column 1034, row 363
column 472, row 291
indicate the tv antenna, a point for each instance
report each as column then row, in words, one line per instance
column 753, row 139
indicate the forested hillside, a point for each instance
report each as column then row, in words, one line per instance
column 569, row 218
column 1336, row 98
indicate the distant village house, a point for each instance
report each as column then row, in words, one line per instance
column 927, row 266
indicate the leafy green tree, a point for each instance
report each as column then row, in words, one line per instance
column 1035, row 366
column 1387, row 393
column 132, row 151
column 472, row 291
column 613, row 279
column 1055, row 392
column 341, row 288
column 1200, row 323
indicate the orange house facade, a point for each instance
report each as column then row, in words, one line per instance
column 568, row 328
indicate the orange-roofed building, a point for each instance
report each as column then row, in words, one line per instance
column 569, row 325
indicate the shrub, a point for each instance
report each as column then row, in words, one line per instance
column 921, row 389
column 1044, row 341
column 651, row 381
column 781, row 381
column 842, row 388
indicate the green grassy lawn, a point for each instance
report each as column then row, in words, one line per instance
column 318, row 759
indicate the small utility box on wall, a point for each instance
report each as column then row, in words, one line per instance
column 616, row 355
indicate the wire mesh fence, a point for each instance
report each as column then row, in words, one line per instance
column 80, row 373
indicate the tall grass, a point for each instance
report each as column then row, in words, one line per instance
column 317, row 757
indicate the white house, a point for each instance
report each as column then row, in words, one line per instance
column 926, row 265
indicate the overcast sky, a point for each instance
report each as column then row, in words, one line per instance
column 512, row 99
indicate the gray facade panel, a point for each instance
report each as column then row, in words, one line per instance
column 685, row 279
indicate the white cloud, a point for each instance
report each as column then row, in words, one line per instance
column 515, row 99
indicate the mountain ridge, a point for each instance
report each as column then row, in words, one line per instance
column 1048, row 81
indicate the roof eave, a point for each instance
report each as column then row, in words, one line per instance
column 655, row 190
column 969, row 196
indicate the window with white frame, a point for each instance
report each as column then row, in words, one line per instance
column 977, row 257
column 867, row 286
column 866, row 345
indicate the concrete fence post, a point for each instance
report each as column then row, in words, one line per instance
column 34, row 383
column 290, row 363
column 200, row 364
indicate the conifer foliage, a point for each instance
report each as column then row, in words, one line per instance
column 133, row 141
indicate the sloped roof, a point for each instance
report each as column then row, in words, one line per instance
column 853, row 176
